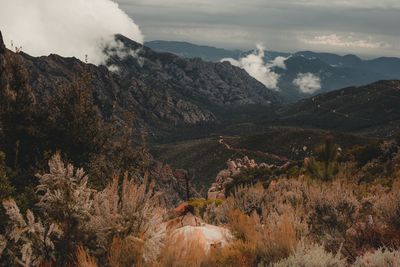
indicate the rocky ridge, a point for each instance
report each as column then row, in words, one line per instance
column 161, row 90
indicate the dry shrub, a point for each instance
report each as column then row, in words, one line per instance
column 239, row 253
column 83, row 259
column 125, row 252
column 257, row 242
column 132, row 213
column 388, row 207
column 333, row 209
column 247, row 199
column 379, row 258
column 311, row 256
column 181, row 251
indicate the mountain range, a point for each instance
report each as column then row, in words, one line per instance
column 333, row 71
column 213, row 111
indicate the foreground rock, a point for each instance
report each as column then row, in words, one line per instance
column 187, row 228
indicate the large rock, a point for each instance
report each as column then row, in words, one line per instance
column 206, row 235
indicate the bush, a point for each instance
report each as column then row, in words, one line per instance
column 247, row 199
column 30, row 242
column 131, row 213
column 379, row 258
column 180, row 252
column 333, row 209
column 388, row 207
column 257, row 241
column 311, row 256
column 323, row 166
column 201, row 205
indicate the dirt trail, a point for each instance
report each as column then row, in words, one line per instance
column 245, row 151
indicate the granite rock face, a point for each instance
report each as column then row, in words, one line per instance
column 159, row 89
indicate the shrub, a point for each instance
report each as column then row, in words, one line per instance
column 247, row 199
column 30, row 242
column 65, row 199
column 83, row 259
column 388, row 207
column 333, row 209
column 257, row 241
column 311, row 256
column 379, row 258
column 6, row 189
column 364, row 154
column 323, row 166
column 180, row 252
column 201, row 205
column 131, row 213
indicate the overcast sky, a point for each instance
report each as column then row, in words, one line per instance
column 363, row 27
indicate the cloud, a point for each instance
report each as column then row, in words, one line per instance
column 279, row 62
column 255, row 66
column 307, row 83
column 345, row 41
column 69, row 28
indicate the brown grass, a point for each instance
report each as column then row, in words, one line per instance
column 83, row 259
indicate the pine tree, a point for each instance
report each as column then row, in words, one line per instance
column 323, row 166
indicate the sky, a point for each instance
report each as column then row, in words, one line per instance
column 367, row 28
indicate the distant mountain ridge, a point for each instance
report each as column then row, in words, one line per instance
column 334, row 71
column 188, row 50
column 371, row 110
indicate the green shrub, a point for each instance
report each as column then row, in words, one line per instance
column 200, row 205
column 324, row 165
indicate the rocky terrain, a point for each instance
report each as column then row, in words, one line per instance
column 160, row 89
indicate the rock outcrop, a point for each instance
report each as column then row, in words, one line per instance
column 227, row 176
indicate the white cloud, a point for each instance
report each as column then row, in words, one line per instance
column 345, row 41
column 255, row 67
column 307, row 83
column 279, row 62
column 69, row 28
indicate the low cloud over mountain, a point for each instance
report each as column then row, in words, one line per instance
column 254, row 64
column 307, row 83
column 69, row 28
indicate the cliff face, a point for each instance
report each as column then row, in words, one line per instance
column 160, row 89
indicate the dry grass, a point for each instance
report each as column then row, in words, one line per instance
column 83, row 259
column 257, row 241
column 182, row 252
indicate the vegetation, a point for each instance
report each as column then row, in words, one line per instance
column 341, row 208
column 324, row 165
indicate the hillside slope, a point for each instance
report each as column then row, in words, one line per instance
column 371, row 109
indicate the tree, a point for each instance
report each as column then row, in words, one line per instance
column 323, row 166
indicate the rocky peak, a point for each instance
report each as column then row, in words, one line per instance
column 2, row 45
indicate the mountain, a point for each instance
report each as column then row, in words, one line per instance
column 389, row 66
column 188, row 50
column 207, row 53
column 334, row 71
column 330, row 77
column 371, row 109
column 162, row 90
